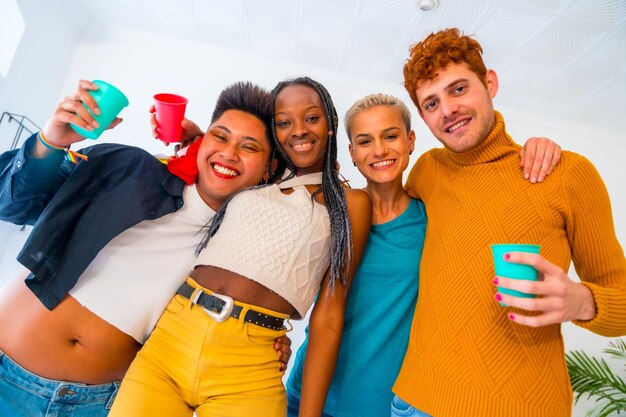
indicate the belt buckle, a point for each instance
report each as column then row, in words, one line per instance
column 227, row 308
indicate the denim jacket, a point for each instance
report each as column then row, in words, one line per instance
column 77, row 209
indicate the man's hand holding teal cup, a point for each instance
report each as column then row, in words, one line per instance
column 558, row 298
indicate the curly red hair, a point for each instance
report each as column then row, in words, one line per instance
column 436, row 52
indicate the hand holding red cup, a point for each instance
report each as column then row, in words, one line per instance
column 169, row 112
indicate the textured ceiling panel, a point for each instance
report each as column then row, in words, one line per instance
column 218, row 11
column 607, row 56
column 277, row 17
column 563, row 58
column 511, row 95
column 219, row 22
column 318, row 55
column 375, row 39
column 551, row 6
column 175, row 24
column 226, row 36
column 498, row 60
column 574, row 84
column 465, row 15
column 509, row 28
column 318, row 28
column 269, row 46
column 390, row 14
column 182, row 8
column 395, row 72
column 564, row 40
column 546, row 105
column 604, row 14
column 116, row 12
column 333, row 7
column 364, row 66
column 597, row 115
column 518, row 72
column 613, row 96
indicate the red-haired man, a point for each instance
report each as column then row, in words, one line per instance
column 467, row 354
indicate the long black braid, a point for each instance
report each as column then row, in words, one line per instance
column 332, row 189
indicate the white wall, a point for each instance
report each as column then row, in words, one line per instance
column 142, row 65
column 12, row 27
column 32, row 87
column 33, row 83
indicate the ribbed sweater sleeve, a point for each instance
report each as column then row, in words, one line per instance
column 596, row 253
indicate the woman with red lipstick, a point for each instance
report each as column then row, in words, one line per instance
column 113, row 237
column 268, row 253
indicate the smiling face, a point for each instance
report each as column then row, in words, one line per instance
column 233, row 155
column 457, row 106
column 380, row 144
column 301, row 127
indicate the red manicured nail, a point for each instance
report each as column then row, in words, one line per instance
column 498, row 297
column 507, row 256
column 511, row 317
column 495, row 281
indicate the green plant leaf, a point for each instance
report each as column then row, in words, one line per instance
column 592, row 377
column 617, row 349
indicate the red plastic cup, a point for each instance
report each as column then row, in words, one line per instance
column 169, row 111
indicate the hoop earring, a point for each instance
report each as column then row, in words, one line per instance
column 354, row 163
column 410, row 153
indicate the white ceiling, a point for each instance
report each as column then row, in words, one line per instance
column 561, row 58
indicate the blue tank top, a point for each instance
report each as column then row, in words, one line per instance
column 377, row 321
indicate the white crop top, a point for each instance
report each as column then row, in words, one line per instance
column 135, row 275
column 281, row 241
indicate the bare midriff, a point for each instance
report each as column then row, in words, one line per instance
column 243, row 289
column 68, row 343
column 240, row 288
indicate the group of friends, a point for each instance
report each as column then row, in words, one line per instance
column 166, row 289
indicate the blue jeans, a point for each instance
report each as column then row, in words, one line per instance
column 400, row 408
column 293, row 406
column 24, row 394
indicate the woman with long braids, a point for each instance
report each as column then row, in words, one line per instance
column 269, row 252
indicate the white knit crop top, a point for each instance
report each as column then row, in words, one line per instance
column 281, row 241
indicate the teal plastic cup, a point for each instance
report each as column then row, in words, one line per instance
column 513, row 270
column 111, row 101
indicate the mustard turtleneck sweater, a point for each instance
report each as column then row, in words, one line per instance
column 465, row 357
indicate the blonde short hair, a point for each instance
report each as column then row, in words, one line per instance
column 374, row 100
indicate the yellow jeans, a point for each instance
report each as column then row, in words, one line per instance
column 192, row 362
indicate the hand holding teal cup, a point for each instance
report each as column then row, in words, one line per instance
column 111, row 101
column 513, row 270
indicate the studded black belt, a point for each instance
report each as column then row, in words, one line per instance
column 221, row 307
